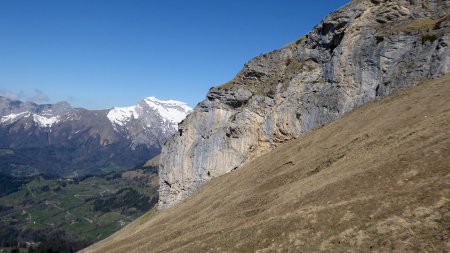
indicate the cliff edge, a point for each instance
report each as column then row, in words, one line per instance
column 365, row 50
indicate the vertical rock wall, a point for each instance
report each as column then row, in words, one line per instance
column 367, row 49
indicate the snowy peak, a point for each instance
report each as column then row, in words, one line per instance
column 166, row 102
column 121, row 115
column 171, row 112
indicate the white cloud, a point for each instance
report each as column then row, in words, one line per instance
column 39, row 97
column 9, row 94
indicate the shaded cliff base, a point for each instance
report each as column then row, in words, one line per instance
column 377, row 179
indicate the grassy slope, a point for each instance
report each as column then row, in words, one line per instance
column 376, row 180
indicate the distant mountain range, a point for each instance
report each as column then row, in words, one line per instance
column 57, row 139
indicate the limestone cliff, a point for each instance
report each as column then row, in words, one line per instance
column 365, row 50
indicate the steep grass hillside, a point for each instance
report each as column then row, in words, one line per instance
column 376, row 180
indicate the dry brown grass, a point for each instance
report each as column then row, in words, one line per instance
column 423, row 24
column 376, row 180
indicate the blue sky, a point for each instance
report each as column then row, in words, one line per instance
column 103, row 53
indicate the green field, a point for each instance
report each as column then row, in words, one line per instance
column 80, row 210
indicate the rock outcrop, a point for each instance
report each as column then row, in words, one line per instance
column 365, row 50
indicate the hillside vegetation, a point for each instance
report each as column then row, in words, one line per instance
column 64, row 215
column 377, row 180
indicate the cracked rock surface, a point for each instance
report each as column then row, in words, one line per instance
column 365, row 50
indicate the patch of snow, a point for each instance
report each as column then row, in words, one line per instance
column 11, row 118
column 121, row 115
column 47, row 113
column 72, row 117
column 44, row 121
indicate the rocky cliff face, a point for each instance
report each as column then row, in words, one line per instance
column 365, row 50
column 60, row 140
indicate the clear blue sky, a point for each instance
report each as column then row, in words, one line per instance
column 103, row 53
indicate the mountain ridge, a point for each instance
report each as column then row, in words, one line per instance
column 66, row 141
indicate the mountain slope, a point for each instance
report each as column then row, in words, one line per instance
column 60, row 140
column 365, row 50
column 377, row 180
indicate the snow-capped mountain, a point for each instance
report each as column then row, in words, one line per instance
column 150, row 119
column 59, row 139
